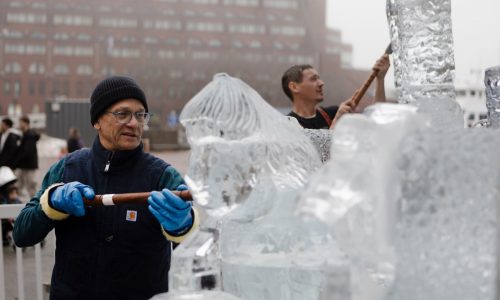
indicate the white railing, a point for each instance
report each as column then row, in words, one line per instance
column 11, row 211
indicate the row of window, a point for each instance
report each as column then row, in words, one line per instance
column 289, row 4
column 114, row 51
column 38, row 87
column 38, row 68
column 80, row 20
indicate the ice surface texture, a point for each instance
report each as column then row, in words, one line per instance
column 248, row 163
column 413, row 206
column 201, row 295
column 422, row 43
column 235, row 137
column 492, row 83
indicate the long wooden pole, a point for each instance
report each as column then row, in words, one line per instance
column 129, row 198
column 369, row 81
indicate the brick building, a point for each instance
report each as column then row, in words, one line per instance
column 62, row 48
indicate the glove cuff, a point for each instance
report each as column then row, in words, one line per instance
column 51, row 212
column 178, row 238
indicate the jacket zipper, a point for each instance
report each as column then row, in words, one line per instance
column 108, row 163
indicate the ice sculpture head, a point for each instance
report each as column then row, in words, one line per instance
column 492, row 83
column 236, row 140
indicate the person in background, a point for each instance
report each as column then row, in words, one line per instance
column 110, row 252
column 303, row 85
column 9, row 142
column 8, row 195
column 74, row 141
column 25, row 160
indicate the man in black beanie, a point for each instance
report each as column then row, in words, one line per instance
column 110, row 252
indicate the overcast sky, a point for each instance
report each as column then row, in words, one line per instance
column 476, row 33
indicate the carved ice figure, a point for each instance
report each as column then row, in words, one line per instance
column 422, row 43
column 247, row 162
column 413, row 206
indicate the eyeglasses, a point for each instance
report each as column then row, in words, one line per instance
column 123, row 117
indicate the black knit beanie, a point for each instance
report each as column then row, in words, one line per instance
column 112, row 90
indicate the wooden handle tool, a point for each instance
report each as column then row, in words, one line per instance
column 127, row 198
column 369, row 81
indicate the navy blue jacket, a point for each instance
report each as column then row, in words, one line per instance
column 113, row 252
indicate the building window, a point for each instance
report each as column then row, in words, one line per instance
column 27, row 18
column 36, row 68
column 255, row 44
column 6, row 87
column 17, row 88
column 16, row 4
column 61, row 36
column 41, row 87
column 242, row 2
column 214, row 43
column 118, row 22
column 288, row 30
column 73, row 51
column 13, row 68
column 205, row 26
column 38, row 36
column 287, row 4
column 247, row 28
column 12, row 34
column 31, row 87
column 125, row 53
column 162, row 24
column 237, row 44
column 150, row 40
column 206, row 1
column 72, row 20
column 61, row 69
column 84, row 70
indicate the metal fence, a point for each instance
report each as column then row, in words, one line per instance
column 11, row 211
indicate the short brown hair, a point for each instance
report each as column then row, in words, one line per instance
column 25, row 119
column 293, row 74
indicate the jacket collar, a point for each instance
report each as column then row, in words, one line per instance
column 113, row 161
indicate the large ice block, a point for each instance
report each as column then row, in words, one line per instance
column 422, row 42
column 414, row 207
column 247, row 162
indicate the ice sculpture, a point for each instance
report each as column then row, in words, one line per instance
column 405, row 202
column 204, row 295
column 422, row 44
column 247, row 161
column 492, row 83
column 321, row 139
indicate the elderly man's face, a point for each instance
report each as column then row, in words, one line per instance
column 115, row 135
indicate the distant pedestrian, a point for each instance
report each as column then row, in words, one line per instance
column 74, row 141
column 9, row 141
column 26, row 158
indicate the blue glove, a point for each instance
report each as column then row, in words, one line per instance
column 173, row 213
column 68, row 198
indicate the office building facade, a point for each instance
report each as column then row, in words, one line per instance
column 61, row 48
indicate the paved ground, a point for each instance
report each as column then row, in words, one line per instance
column 48, row 153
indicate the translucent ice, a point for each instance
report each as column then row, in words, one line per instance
column 202, row 295
column 492, row 83
column 413, row 206
column 247, row 162
column 321, row 139
column 235, row 136
column 422, row 43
